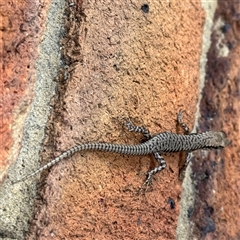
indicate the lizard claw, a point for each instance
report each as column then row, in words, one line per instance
column 146, row 184
column 180, row 115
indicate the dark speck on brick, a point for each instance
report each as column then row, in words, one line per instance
column 207, row 174
column 145, row 8
column 208, row 227
column 229, row 45
column 225, row 28
column 172, row 203
column 208, row 211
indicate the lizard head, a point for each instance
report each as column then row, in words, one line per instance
column 219, row 140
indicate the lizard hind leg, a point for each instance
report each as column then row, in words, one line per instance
column 182, row 124
column 132, row 128
column 162, row 165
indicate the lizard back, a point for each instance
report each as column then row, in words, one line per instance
column 172, row 142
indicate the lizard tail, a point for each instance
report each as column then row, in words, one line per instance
column 139, row 149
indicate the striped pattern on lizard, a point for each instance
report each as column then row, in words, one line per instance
column 164, row 142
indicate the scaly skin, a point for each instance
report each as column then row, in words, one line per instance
column 165, row 142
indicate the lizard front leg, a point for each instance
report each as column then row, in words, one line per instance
column 183, row 125
column 132, row 128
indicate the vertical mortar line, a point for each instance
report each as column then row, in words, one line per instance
column 184, row 227
column 17, row 201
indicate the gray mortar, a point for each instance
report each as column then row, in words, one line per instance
column 185, row 227
column 16, row 201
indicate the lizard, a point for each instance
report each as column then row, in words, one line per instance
column 164, row 142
